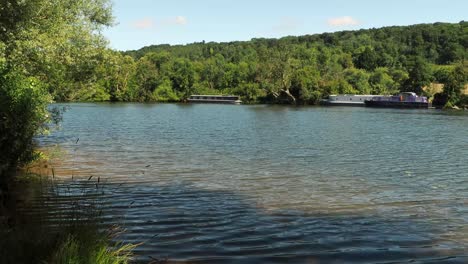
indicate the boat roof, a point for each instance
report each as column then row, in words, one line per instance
column 353, row 95
column 410, row 93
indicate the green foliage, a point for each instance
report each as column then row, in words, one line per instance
column 56, row 41
column 91, row 93
column 367, row 59
column 382, row 82
column 359, row 80
column 449, row 105
column 45, row 46
column 183, row 77
column 23, row 113
column 249, row 92
column 68, row 252
column 419, row 73
column 113, row 76
column 454, row 82
column 164, row 93
column 464, row 101
column 302, row 69
column 94, row 250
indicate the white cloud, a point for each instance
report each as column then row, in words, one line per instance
column 180, row 20
column 144, row 23
column 343, row 21
column 287, row 24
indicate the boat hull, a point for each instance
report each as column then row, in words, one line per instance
column 342, row 103
column 393, row 104
column 201, row 101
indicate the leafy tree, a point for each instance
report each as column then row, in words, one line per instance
column 359, row 80
column 305, row 85
column 250, row 92
column 367, row 59
column 45, row 45
column 183, row 77
column 213, row 72
column 454, row 83
column 113, row 75
column 399, row 76
column 147, row 77
column 420, row 75
column 23, row 113
column 58, row 45
column 164, row 92
column 382, row 83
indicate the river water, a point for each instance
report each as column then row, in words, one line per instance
column 275, row 184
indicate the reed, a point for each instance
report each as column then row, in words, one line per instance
column 47, row 220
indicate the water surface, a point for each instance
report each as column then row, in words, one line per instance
column 249, row 184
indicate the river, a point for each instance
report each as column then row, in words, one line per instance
column 274, row 184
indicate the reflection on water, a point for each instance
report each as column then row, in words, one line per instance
column 217, row 183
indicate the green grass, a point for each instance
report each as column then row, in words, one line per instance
column 78, row 249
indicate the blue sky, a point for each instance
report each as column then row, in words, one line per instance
column 146, row 22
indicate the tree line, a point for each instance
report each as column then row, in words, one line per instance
column 295, row 70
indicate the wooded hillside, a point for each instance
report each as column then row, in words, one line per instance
column 300, row 69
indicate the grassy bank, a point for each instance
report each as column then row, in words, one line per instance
column 43, row 220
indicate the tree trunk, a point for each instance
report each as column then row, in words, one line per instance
column 286, row 91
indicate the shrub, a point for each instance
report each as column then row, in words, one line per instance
column 23, row 114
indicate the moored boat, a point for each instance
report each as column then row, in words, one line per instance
column 346, row 100
column 402, row 100
column 215, row 99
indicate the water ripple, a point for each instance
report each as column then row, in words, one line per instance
column 250, row 184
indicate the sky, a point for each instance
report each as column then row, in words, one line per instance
column 142, row 23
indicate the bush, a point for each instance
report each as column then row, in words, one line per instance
column 23, row 114
column 164, row 93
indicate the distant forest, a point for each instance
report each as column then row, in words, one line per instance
column 294, row 70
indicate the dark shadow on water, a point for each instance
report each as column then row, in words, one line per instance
column 186, row 223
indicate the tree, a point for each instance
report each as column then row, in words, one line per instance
column 56, row 41
column 213, row 72
column 454, row 83
column 44, row 45
column 359, row 80
column 367, row 59
column 164, row 92
column 147, row 77
column 420, row 75
column 382, row 83
column 305, row 85
column 23, row 102
column 183, row 77
column 114, row 74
